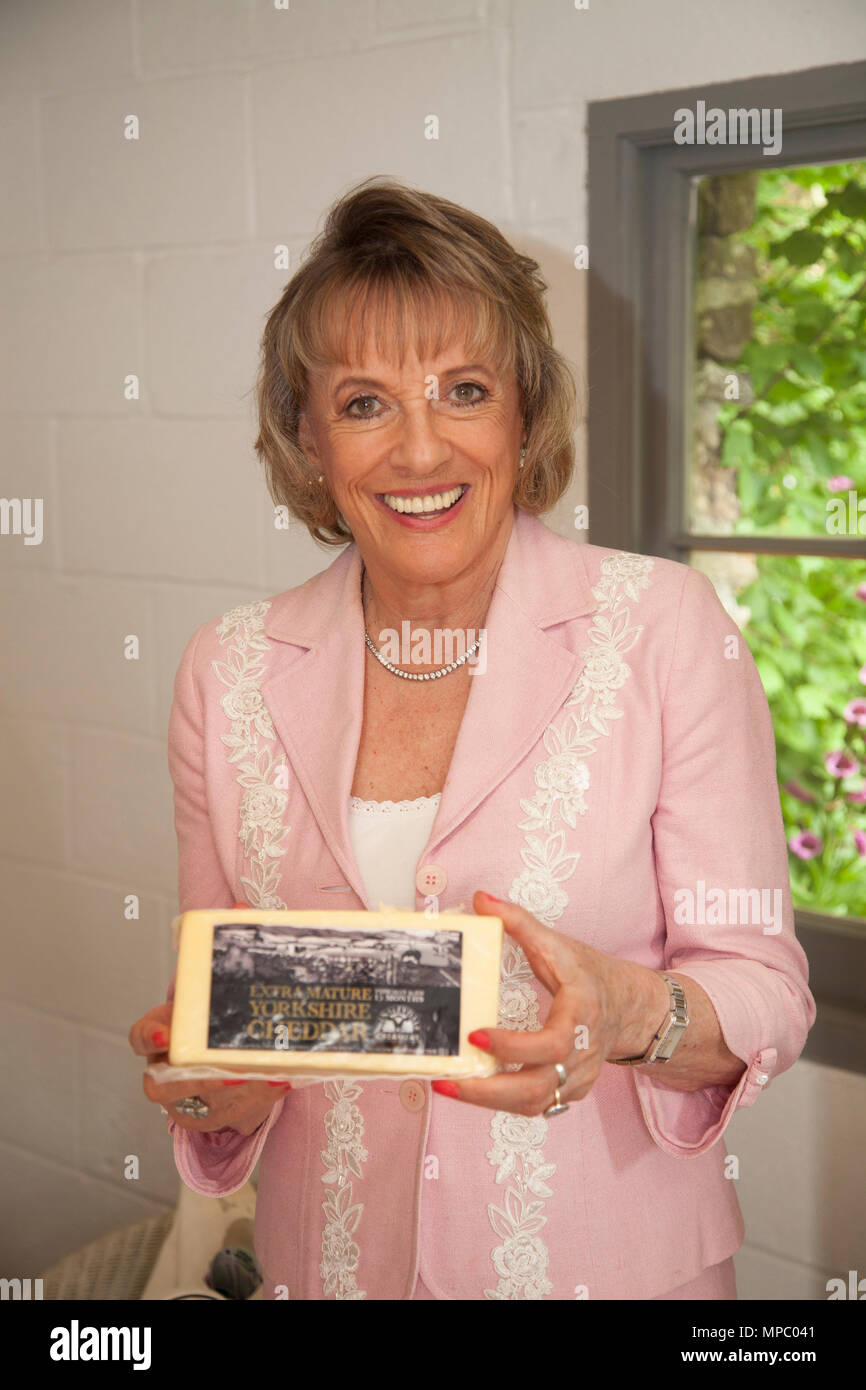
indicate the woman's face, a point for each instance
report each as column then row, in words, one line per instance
column 443, row 435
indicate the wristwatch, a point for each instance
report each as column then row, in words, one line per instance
column 670, row 1030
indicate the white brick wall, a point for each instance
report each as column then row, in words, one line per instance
column 154, row 258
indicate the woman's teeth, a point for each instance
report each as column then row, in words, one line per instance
column 431, row 502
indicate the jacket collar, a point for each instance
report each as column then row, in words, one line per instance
column 315, row 694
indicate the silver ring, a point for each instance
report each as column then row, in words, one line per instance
column 193, row 1106
column 561, row 1073
column 557, row 1108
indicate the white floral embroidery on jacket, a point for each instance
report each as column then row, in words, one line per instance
column 263, row 836
column 265, row 777
column 344, row 1127
column 561, row 781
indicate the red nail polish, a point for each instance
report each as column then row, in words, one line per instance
column 286, row 1084
column 480, row 1039
column 234, row 1083
column 445, row 1088
column 490, row 898
column 160, row 1037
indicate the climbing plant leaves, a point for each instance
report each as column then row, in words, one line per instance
column 798, row 447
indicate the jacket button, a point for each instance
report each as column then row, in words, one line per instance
column 412, row 1095
column 430, row 880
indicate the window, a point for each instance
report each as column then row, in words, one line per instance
column 778, row 453
column 727, row 306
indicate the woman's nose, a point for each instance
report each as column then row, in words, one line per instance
column 420, row 445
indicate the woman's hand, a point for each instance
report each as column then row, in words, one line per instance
column 240, row 1105
column 602, row 1007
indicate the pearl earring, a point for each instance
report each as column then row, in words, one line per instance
column 522, row 456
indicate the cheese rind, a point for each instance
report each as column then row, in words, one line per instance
column 311, row 993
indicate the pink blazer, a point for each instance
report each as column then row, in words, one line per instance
column 616, row 757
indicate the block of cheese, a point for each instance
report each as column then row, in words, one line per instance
column 360, row 993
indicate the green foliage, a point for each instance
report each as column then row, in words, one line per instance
column 806, row 426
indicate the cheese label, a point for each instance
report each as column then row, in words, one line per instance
column 312, row 993
column 334, row 989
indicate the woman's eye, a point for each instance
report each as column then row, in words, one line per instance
column 363, row 413
column 471, row 386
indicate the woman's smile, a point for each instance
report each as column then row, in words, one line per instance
column 420, row 509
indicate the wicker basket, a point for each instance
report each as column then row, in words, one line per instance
column 116, row 1266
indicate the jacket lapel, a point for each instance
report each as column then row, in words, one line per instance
column 529, row 673
column 315, row 695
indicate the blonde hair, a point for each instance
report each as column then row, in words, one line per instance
column 389, row 256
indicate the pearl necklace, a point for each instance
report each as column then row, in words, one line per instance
column 410, row 675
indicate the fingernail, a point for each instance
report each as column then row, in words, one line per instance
column 160, row 1037
column 286, row 1084
column 445, row 1088
column 233, row 1083
column 234, row 905
column 480, row 1039
column 490, row 898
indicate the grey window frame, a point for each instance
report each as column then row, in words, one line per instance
column 642, row 215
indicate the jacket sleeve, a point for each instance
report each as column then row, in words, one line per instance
column 219, row 1162
column 717, row 826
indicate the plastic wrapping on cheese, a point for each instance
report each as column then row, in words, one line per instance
column 318, row 994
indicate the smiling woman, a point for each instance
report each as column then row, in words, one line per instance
column 603, row 756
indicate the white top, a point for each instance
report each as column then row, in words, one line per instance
column 388, row 838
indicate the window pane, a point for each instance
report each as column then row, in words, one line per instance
column 804, row 619
column 779, row 404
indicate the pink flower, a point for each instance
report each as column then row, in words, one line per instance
column 800, row 792
column 860, row 842
column 857, row 797
column 840, row 483
column 805, row 845
column 841, row 765
column 855, row 711
column 860, row 592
